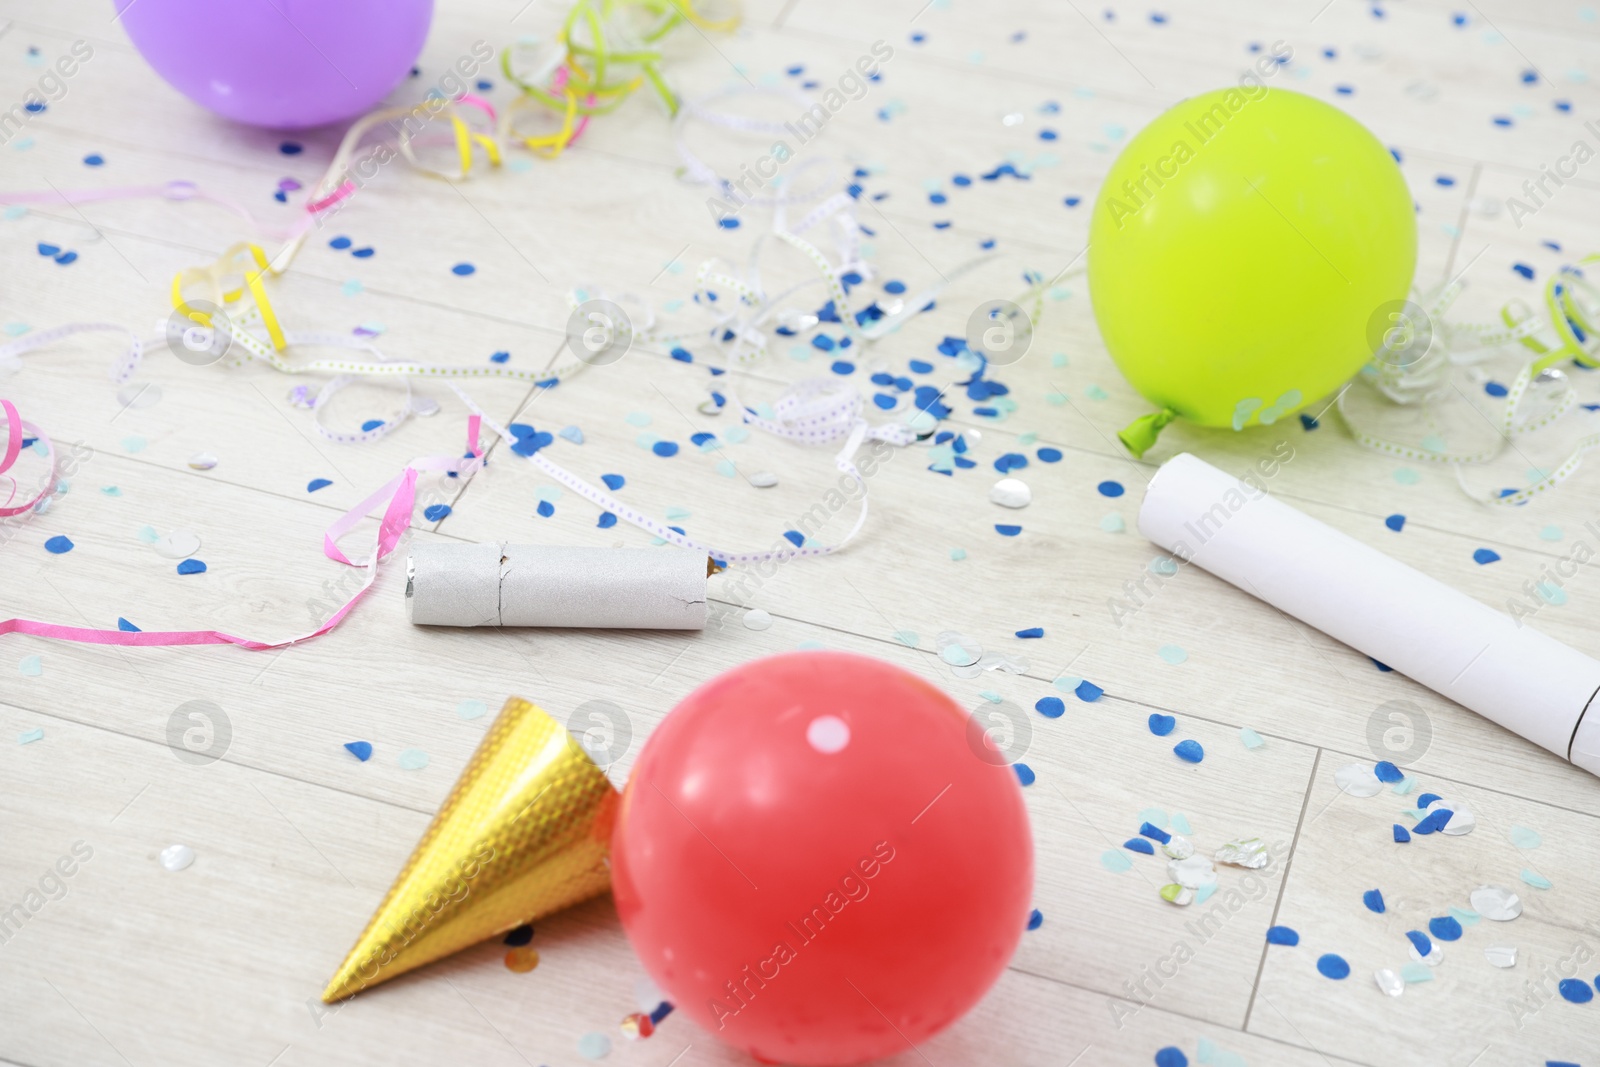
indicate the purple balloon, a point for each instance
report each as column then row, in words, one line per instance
column 283, row 64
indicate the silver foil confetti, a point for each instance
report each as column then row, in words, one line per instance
column 1178, row 847
column 1391, row 984
column 1434, row 957
column 1502, row 956
column 1248, row 852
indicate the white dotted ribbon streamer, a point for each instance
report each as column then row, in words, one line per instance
column 1537, row 398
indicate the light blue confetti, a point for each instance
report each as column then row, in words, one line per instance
column 28, row 737
column 472, row 709
column 1250, row 738
column 1115, row 860
column 1173, row 654
column 413, row 759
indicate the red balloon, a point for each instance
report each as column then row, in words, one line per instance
column 819, row 862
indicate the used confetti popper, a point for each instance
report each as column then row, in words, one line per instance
column 1457, row 646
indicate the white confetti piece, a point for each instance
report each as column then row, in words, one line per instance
column 1503, row 956
column 1462, row 822
column 1192, row 873
column 177, row 857
column 202, row 461
column 757, row 619
column 179, row 544
column 1011, row 493
column 763, row 479
column 1358, row 780
column 1496, row 902
column 1391, row 984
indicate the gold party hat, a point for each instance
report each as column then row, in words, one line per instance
column 525, row 832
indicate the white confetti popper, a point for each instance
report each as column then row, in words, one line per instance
column 497, row 584
column 1455, row 645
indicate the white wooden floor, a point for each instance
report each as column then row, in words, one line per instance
column 296, row 841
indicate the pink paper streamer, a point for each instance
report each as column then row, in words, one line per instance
column 400, row 494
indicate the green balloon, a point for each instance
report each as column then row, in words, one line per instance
column 1242, row 246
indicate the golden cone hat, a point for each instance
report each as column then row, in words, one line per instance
column 525, row 832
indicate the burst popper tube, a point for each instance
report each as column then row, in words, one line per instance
column 1455, row 645
column 497, row 584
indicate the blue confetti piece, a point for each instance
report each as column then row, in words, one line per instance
column 795, row 538
column 1332, row 965
column 191, row 566
column 500, row 357
column 1162, row 725
column 1427, row 798
column 1434, row 821
column 607, row 520
column 1050, row 707
column 1035, row 919
column 291, row 148
column 94, row 159
column 571, row 433
column 370, row 425
column 1387, row 772
column 1032, row 631
column 58, row 545
column 340, row 243
column 614, row 481
column 126, row 627
column 1189, row 751
column 1139, row 844
column 1420, row 942
column 1282, row 935
column 48, row 249
column 1575, row 990
column 361, row 750
column 1088, row 692
column 1445, row 928
column 1171, row 1056
column 317, row 483
column 1495, row 389
column 1485, row 555
column 1154, row 833
column 1010, row 461
column 1401, row 834
column 528, row 445
column 1395, row 522
column 1006, row 530
column 1373, row 899
column 463, row 269
column 1524, row 270
column 545, row 509
column 682, row 355
column 1049, row 455
column 1110, row 488
column 1024, row 773
column 67, row 257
